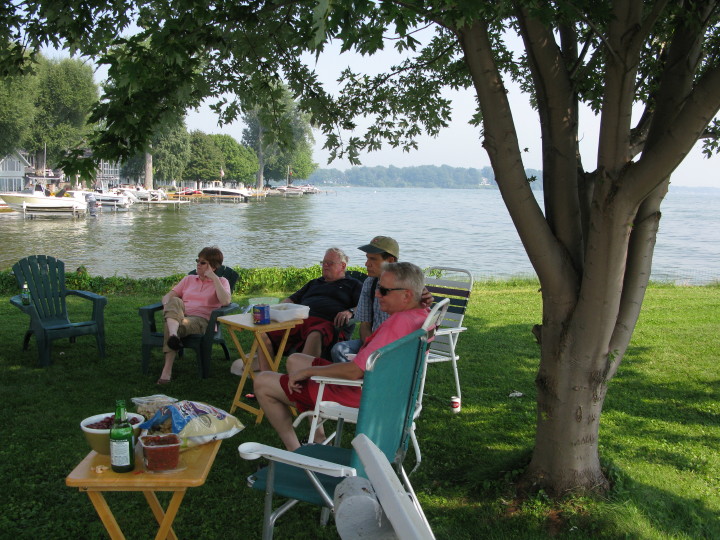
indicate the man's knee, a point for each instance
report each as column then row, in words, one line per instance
column 267, row 383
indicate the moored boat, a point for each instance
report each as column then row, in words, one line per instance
column 219, row 191
column 38, row 201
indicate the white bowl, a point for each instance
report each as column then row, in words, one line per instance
column 99, row 439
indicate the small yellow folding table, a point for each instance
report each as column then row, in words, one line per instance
column 244, row 321
column 94, row 476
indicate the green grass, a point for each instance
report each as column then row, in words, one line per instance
column 660, row 430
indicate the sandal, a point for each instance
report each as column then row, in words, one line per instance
column 162, row 382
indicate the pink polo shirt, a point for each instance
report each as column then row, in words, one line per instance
column 199, row 296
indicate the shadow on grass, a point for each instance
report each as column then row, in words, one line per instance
column 469, row 459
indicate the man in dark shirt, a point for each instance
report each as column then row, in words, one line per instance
column 329, row 298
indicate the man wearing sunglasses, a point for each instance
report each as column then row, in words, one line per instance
column 379, row 250
column 399, row 293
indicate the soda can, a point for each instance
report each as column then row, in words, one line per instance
column 455, row 404
column 261, row 314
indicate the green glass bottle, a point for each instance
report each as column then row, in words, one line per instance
column 25, row 295
column 122, row 447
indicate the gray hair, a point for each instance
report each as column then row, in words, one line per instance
column 407, row 275
column 340, row 253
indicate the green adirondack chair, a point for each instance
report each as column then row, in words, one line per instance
column 201, row 343
column 312, row 472
column 45, row 278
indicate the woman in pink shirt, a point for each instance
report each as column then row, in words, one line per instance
column 187, row 307
column 399, row 292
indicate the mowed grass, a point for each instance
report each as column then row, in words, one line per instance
column 659, row 440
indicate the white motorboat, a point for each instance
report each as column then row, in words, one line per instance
column 290, row 191
column 113, row 198
column 309, row 189
column 38, row 201
column 218, row 191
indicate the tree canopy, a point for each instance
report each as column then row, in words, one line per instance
column 592, row 244
column 281, row 136
column 47, row 106
column 241, row 163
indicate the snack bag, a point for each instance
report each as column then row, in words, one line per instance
column 195, row 423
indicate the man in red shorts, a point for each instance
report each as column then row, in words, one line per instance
column 399, row 292
column 329, row 298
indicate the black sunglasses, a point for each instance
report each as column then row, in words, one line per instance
column 384, row 290
column 200, row 262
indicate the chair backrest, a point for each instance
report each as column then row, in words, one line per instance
column 390, row 387
column 45, row 278
column 436, row 316
column 456, row 285
column 226, row 272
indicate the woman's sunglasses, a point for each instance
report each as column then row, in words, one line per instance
column 203, row 263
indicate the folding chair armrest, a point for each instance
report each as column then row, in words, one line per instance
column 253, row 450
column 332, row 380
column 448, row 331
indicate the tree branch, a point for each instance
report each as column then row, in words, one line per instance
column 557, row 106
column 546, row 254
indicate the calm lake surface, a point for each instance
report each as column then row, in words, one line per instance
column 464, row 228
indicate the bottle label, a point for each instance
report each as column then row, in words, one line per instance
column 120, row 453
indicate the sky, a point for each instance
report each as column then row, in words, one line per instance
column 459, row 144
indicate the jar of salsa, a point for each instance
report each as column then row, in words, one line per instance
column 161, row 452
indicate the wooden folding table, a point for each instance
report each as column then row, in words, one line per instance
column 94, row 476
column 244, row 321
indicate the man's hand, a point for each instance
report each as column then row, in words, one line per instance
column 426, row 299
column 294, row 379
column 342, row 318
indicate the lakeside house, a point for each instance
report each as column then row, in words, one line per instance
column 12, row 171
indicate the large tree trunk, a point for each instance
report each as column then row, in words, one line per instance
column 592, row 250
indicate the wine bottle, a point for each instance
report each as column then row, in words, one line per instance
column 122, row 448
column 25, row 294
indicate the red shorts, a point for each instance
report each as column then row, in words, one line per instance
column 298, row 334
column 304, row 399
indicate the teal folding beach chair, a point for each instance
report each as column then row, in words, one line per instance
column 387, row 405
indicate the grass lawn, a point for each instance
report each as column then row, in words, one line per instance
column 659, row 439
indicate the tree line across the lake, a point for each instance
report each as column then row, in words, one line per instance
column 422, row 176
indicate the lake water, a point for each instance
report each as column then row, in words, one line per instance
column 465, row 228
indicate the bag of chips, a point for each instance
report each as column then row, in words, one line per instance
column 194, row 422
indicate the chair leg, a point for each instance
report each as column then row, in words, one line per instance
column 44, row 351
column 457, row 377
column 145, row 355
column 26, row 339
column 100, row 341
column 416, row 448
column 225, row 350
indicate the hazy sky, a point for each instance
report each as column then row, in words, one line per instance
column 459, row 144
